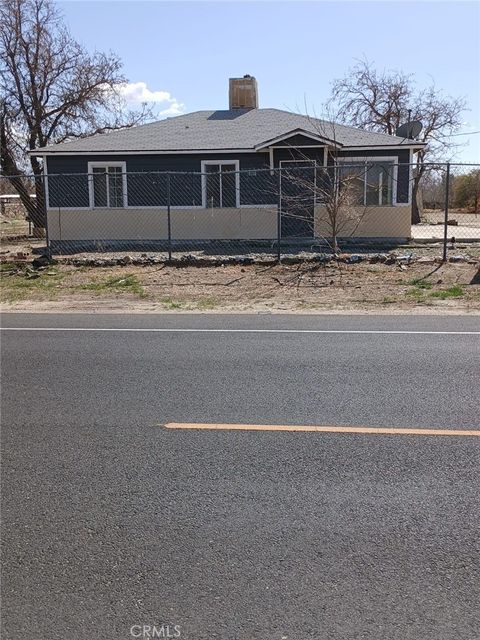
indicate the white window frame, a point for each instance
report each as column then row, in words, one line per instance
column 204, row 164
column 365, row 161
column 105, row 165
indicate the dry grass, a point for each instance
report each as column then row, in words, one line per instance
column 303, row 287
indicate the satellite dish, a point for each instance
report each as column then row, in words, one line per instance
column 409, row 129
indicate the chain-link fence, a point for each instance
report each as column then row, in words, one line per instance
column 295, row 208
column 13, row 219
column 449, row 199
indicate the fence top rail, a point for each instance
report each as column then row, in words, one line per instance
column 344, row 164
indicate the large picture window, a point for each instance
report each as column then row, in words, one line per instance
column 372, row 182
column 107, row 185
column 220, row 184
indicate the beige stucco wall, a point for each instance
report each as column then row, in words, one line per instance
column 375, row 222
column 151, row 224
column 229, row 224
column 211, row 224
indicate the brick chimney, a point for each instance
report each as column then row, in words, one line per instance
column 243, row 93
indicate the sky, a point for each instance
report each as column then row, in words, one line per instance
column 179, row 55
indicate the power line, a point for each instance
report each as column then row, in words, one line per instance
column 453, row 135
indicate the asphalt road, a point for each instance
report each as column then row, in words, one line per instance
column 112, row 522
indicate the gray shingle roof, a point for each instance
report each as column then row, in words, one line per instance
column 238, row 129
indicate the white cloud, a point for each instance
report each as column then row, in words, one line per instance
column 138, row 92
column 174, row 109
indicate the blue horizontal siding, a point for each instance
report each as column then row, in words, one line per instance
column 179, row 162
column 147, row 181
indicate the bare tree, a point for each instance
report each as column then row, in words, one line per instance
column 433, row 189
column 466, row 190
column 335, row 192
column 381, row 101
column 51, row 90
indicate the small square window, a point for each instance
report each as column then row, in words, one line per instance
column 221, row 184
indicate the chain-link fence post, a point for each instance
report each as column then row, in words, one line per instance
column 47, row 239
column 445, row 223
column 45, row 204
column 169, row 220
column 279, row 216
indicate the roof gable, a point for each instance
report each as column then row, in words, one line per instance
column 296, row 138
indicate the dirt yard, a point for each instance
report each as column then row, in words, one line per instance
column 307, row 287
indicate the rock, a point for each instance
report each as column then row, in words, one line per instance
column 290, row 260
column 379, row 257
column 354, row 258
column 42, row 261
column 125, row 260
column 323, row 258
column 391, row 258
column 458, row 258
column 407, row 258
column 314, row 258
column 426, row 260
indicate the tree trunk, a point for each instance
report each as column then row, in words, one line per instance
column 35, row 207
column 415, row 195
column 39, row 217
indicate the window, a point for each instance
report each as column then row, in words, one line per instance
column 107, row 185
column 220, row 184
column 372, row 182
column 379, row 183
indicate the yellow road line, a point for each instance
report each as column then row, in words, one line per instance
column 322, row 429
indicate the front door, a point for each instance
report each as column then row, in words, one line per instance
column 297, row 190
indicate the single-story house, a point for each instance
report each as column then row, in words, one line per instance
column 215, row 172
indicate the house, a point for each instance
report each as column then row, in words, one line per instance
column 213, row 175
